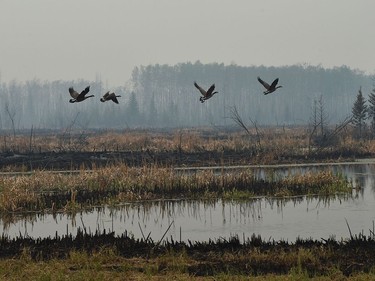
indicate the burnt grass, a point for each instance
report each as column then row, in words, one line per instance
column 79, row 159
column 252, row 256
column 76, row 160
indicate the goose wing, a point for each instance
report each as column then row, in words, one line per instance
column 113, row 97
column 274, row 83
column 265, row 84
column 106, row 95
column 84, row 92
column 73, row 93
column 211, row 89
column 203, row 92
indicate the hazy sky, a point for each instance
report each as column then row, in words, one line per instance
column 81, row 39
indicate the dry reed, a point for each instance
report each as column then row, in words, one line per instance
column 42, row 190
column 278, row 141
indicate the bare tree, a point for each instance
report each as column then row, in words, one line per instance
column 11, row 114
column 314, row 118
column 323, row 115
column 331, row 136
column 235, row 116
column 66, row 137
column 318, row 123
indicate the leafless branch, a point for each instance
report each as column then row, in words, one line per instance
column 11, row 115
column 235, row 116
column 259, row 134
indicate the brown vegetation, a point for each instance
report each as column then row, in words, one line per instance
column 112, row 167
column 188, row 147
column 46, row 191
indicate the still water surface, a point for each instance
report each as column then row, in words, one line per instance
column 277, row 219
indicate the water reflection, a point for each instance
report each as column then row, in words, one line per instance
column 272, row 218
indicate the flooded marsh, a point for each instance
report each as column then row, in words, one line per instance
column 297, row 221
column 199, row 219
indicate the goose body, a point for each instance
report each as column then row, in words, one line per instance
column 79, row 97
column 110, row 96
column 270, row 88
column 205, row 94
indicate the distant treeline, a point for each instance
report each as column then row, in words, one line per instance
column 164, row 96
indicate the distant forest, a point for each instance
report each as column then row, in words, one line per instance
column 164, row 96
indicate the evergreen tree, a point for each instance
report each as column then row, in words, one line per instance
column 359, row 112
column 371, row 109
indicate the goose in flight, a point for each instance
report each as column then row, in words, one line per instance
column 110, row 96
column 270, row 89
column 79, row 97
column 206, row 94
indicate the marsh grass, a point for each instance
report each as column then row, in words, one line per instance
column 52, row 192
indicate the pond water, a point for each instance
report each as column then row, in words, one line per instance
column 287, row 219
